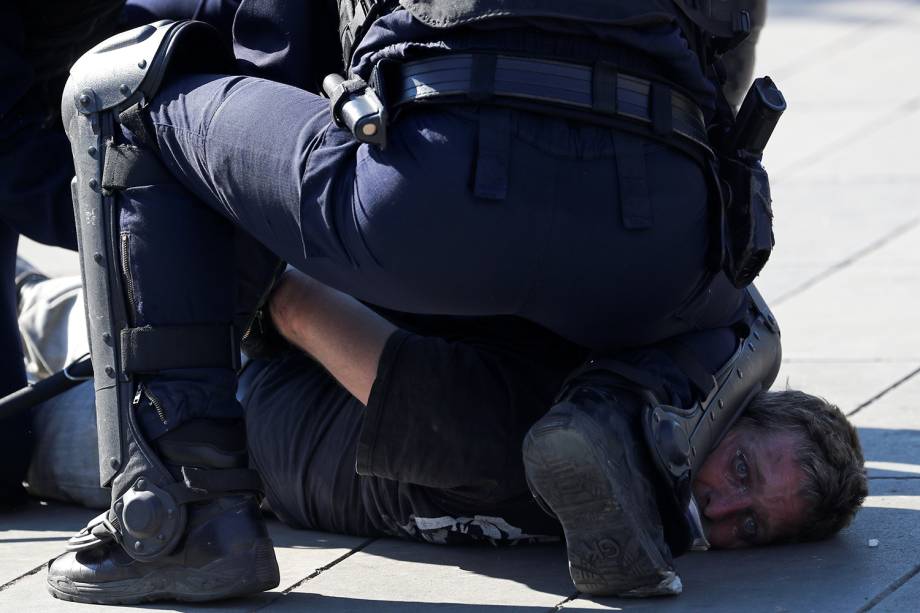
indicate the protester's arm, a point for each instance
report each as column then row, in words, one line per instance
column 439, row 412
column 339, row 332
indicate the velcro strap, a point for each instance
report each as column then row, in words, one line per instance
column 661, row 109
column 482, row 77
column 343, row 94
column 96, row 532
column 129, row 166
column 604, row 88
column 154, row 349
column 204, row 484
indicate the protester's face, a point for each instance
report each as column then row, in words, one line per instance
column 748, row 490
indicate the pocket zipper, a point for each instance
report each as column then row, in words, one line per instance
column 154, row 402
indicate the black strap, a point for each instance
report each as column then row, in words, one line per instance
column 133, row 119
column 129, row 166
column 153, row 349
column 482, row 77
column 719, row 19
column 604, row 88
column 660, row 109
column 342, row 94
column 598, row 93
column 199, row 484
column 222, row 480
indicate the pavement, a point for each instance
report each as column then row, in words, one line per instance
column 843, row 282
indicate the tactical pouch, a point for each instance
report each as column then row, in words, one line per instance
column 744, row 185
column 748, row 218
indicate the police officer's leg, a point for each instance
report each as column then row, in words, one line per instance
column 408, row 227
column 184, row 522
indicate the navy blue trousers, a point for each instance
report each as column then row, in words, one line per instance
column 597, row 235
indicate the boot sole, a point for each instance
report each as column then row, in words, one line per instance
column 248, row 572
column 610, row 553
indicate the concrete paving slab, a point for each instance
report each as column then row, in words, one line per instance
column 890, row 432
column 847, row 106
column 52, row 261
column 392, row 575
column 899, row 408
column 301, row 553
column 846, row 384
column 889, row 428
column 837, row 11
column 800, row 34
column 845, row 145
column 873, row 322
column 856, row 63
column 904, row 598
column 32, row 536
column 884, row 148
column 822, row 228
column 842, row 574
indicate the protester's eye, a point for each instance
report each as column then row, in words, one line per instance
column 742, row 471
column 749, row 528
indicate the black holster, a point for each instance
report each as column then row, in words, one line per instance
column 744, row 185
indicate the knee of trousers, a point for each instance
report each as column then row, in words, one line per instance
column 106, row 84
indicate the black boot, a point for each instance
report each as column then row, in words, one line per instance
column 585, row 460
column 225, row 551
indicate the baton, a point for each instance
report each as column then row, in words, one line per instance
column 30, row 396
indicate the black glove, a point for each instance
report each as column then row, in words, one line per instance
column 262, row 341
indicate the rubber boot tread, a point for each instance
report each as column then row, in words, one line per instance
column 610, row 551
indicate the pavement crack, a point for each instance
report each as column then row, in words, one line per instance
column 891, row 589
column 314, row 574
column 884, row 392
column 13, row 582
column 848, row 261
column 562, row 604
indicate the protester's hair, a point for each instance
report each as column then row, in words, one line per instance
column 828, row 451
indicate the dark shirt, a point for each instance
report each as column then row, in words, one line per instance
column 438, row 447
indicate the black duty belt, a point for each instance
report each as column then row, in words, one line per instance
column 599, row 94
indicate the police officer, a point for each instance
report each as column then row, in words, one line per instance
column 38, row 43
column 491, row 157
